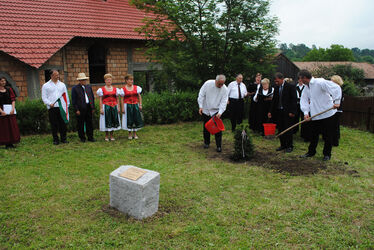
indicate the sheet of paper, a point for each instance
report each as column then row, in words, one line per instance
column 7, row 108
column 133, row 173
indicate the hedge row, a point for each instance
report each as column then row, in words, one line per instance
column 163, row 108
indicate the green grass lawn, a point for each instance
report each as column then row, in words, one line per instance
column 58, row 196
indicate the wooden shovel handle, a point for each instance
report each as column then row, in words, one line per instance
column 301, row 122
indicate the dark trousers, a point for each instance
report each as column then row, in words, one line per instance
column 218, row 136
column 85, row 117
column 305, row 127
column 284, row 121
column 236, row 108
column 57, row 124
column 252, row 114
column 326, row 128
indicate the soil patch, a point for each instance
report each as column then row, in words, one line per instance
column 278, row 161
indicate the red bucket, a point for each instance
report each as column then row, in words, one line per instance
column 269, row 128
column 214, row 125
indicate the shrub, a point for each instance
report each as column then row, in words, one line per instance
column 169, row 107
column 32, row 117
column 163, row 108
column 350, row 89
column 243, row 146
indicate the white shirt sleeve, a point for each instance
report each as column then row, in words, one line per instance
column 139, row 89
column 44, row 95
column 255, row 97
column 118, row 92
column 333, row 89
column 99, row 92
column 304, row 101
column 223, row 103
column 245, row 90
column 121, row 92
column 201, row 98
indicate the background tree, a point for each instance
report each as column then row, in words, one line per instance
column 209, row 37
column 294, row 52
column 334, row 53
column 353, row 77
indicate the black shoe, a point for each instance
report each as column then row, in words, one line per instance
column 56, row 142
column 326, row 158
column 219, row 149
column 280, row 148
column 206, row 145
column 83, row 140
column 64, row 141
column 289, row 150
column 92, row 140
column 306, row 155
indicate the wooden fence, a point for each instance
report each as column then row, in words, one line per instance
column 358, row 112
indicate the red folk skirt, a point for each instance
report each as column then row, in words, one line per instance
column 9, row 132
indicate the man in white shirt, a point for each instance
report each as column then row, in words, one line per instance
column 212, row 101
column 237, row 91
column 319, row 95
column 52, row 91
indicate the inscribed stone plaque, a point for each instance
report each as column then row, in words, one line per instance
column 138, row 198
column 133, row 173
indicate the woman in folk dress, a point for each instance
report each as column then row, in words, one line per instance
column 109, row 106
column 131, row 104
column 9, row 132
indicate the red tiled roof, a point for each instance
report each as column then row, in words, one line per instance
column 366, row 67
column 34, row 30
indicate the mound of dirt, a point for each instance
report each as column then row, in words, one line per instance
column 279, row 162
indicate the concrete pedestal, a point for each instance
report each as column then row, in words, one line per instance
column 139, row 198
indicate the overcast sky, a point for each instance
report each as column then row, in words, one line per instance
column 325, row 22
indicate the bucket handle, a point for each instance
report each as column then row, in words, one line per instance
column 214, row 121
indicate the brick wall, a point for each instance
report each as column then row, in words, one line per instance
column 139, row 55
column 55, row 61
column 117, row 62
column 77, row 61
column 17, row 71
column 76, row 56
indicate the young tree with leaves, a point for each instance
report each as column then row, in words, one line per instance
column 198, row 39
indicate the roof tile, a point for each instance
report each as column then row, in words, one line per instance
column 366, row 67
column 34, row 30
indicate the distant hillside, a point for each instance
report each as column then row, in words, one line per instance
column 301, row 52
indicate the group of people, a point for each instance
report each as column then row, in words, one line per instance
column 284, row 104
column 113, row 101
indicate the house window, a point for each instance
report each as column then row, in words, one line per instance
column 97, row 65
column 47, row 75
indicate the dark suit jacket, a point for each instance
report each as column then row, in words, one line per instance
column 79, row 99
column 289, row 99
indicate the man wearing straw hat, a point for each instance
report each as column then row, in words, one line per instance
column 84, row 106
column 212, row 101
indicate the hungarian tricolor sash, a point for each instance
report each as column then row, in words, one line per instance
column 64, row 109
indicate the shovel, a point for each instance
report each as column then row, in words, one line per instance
column 301, row 122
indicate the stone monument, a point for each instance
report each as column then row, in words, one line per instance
column 134, row 191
